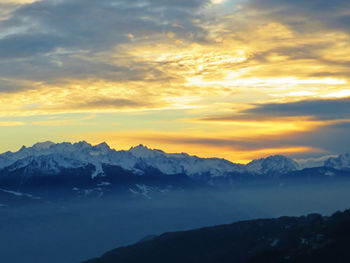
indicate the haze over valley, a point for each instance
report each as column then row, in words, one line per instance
column 85, row 200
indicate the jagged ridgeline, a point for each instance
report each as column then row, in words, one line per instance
column 65, row 170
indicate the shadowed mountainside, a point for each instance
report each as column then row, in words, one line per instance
column 311, row 238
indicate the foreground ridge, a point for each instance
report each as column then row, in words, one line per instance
column 311, row 238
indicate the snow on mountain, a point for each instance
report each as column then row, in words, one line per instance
column 48, row 164
column 313, row 162
column 272, row 165
column 42, row 145
column 51, row 158
column 172, row 163
column 19, row 194
column 141, row 151
column 340, row 162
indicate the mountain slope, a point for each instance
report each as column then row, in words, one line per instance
column 340, row 162
column 311, row 238
column 54, row 157
column 272, row 165
column 136, row 159
column 66, row 170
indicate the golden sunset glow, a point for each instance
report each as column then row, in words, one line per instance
column 229, row 72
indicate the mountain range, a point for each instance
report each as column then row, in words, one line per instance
column 54, row 171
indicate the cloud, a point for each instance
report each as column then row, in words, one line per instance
column 90, row 24
column 316, row 109
column 320, row 109
column 260, row 60
column 318, row 14
column 237, row 144
column 52, row 41
column 333, row 138
column 11, row 123
column 328, row 119
column 23, row 45
column 326, row 139
column 9, row 85
column 110, row 103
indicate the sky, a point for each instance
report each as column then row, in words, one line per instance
column 235, row 79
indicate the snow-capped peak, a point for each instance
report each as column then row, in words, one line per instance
column 138, row 158
column 272, row 165
column 53, row 157
column 340, row 162
column 142, row 151
column 42, row 145
column 102, row 146
column 82, row 145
